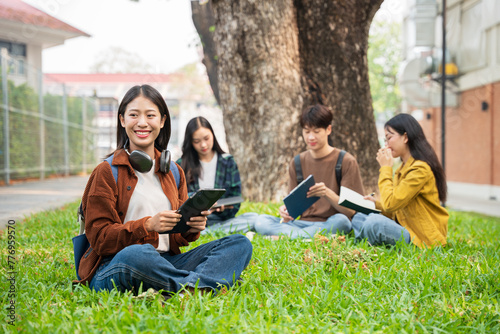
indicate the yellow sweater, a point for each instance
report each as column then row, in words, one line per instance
column 414, row 201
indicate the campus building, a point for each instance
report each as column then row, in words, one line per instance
column 25, row 32
column 186, row 97
column 472, row 117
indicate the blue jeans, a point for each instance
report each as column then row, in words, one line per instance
column 378, row 229
column 211, row 265
column 243, row 223
column 270, row 225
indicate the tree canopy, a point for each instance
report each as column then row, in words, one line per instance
column 384, row 58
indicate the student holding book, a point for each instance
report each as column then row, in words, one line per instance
column 130, row 204
column 207, row 166
column 319, row 160
column 412, row 197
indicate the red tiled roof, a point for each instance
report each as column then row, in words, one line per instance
column 109, row 77
column 18, row 11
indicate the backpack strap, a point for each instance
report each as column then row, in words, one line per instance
column 298, row 169
column 338, row 167
column 114, row 169
column 175, row 172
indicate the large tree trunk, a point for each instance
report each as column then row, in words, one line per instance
column 276, row 57
column 333, row 40
column 260, row 90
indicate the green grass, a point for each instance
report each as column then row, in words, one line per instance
column 291, row 286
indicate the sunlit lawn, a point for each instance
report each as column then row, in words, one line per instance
column 292, row 286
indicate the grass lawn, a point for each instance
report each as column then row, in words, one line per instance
column 291, row 286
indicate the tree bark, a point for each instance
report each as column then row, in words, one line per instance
column 260, row 90
column 275, row 58
column 333, row 40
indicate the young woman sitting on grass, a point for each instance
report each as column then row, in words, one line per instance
column 207, row 166
column 123, row 217
column 412, row 198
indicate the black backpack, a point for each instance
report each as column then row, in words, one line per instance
column 338, row 167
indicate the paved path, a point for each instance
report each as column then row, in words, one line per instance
column 23, row 199
column 20, row 200
column 463, row 203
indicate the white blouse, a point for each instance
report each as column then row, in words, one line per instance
column 147, row 200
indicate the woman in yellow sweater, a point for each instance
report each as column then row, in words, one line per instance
column 412, row 198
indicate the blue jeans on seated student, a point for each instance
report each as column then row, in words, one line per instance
column 211, row 265
column 242, row 223
column 270, row 225
column 378, row 229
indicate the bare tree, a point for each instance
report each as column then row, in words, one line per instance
column 117, row 60
column 276, row 57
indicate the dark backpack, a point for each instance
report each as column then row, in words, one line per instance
column 80, row 242
column 338, row 168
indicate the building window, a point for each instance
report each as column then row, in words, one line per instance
column 17, row 56
column 473, row 51
column 15, row 49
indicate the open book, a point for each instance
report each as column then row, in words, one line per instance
column 297, row 202
column 352, row 200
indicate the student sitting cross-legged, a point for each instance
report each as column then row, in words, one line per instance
column 319, row 160
column 128, row 213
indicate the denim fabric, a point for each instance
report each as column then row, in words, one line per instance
column 211, row 265
column 243, row 223
column 378, row 229
column 270, row 225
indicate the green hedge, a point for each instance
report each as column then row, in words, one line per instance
column 24, row 133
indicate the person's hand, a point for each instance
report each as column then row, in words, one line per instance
column 370, row 197
column 222, row 208
column 318, row 190
column 163, row 221
column 284, row 214
column 384, row 157
column 197, row 223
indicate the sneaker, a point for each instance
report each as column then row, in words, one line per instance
column 271, row 237
column 250, row 235
column 149, row 294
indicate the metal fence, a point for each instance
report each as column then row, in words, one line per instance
column 43, row 134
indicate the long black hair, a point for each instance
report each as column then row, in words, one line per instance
column 161, row 142
column 190, row 160
column 420, row 149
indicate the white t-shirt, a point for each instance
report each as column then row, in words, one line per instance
column 147, row 200
column 208, row 170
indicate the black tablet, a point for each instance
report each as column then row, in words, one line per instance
column 201, row 200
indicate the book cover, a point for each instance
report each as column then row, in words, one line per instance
column 352, row 200
column 296, row 201
column 228, row 201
